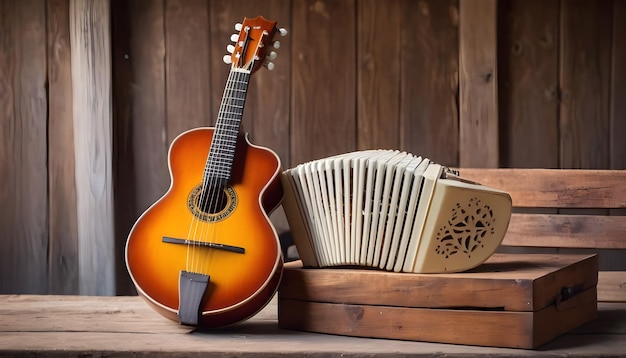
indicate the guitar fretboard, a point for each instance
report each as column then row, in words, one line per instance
column 220, row 161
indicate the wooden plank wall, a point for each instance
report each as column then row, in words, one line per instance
column 510, row 83
column 91, row 83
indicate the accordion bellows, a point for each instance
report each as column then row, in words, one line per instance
column 391, row 210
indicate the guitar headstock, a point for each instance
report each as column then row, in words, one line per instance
column 250, row 50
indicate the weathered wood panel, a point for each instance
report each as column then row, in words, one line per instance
column 139, row 61
column 379, row 40
column 63, row 326
column 618, row 88
column 585, row 83
column 23, row 152
column 91, row 87
column 187, row 76
column 140, row 146
column 584, row 231
column 544, row 188
column 478, row 79
column 63, row 235
column 528, row 100
column 323, row 112
column 611, row 286
column 429, row 80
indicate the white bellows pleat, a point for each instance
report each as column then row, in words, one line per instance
column 391, row 210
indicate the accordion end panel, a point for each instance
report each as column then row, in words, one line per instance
column 466, row 224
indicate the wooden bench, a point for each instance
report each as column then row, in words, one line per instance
column 102, row 326
column 571, row 209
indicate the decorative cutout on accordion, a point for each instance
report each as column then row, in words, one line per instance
column 469, row 225
column 393, row 211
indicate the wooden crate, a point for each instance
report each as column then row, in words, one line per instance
column 512, row 300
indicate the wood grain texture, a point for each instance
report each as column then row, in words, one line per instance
column 323, row 93
column 478, row 79
column 140, row 148
column 611, row 286
column 465, row 326
column 23, row 151
column 545, row 188
column 72, row 326
column 429, row 80
column 124, row 160
column 91, row 84
column 552, row 230
column 585, row 83
column 528, row 96
column 505, row 282
column 139, row 59
column 378, row 73
column 63, row 235
column 187, row 76
column 618, row 87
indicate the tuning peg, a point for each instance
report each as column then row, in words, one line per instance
column 234, row 37
column 230, row 48
column 227, row 59
column 269, row 65
column 238, row 27
column 283, row 31
column 272, row 55
column 276, row 44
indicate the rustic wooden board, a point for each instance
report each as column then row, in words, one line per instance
column 461, row 326
column 478, row 81
column 23, row 149
column 378, row 71
column 612, row 286
column 63, row 234
column 618, row 87
column 585, row 83
column 73, row 326
column 517, row 301
column 323, row 95
column 188, row 88
column 92, row 115
column 429, row 80
column 506, row 282
column 560, row 230
column 141, row 146
column 140, row 117
column 545, row 188
column 528, row 95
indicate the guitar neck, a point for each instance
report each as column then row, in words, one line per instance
column 222, row 153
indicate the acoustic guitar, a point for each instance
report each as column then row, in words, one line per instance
column 206, row 254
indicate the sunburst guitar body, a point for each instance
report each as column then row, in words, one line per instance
column 206, row 253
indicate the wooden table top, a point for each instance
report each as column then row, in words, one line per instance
column 103, row 326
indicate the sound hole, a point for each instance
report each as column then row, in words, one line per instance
column 213, row 203
column 212, row 199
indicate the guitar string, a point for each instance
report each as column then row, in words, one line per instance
column 207, row 231
column 196, row 224
column 215, row 189
column 232, row 115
